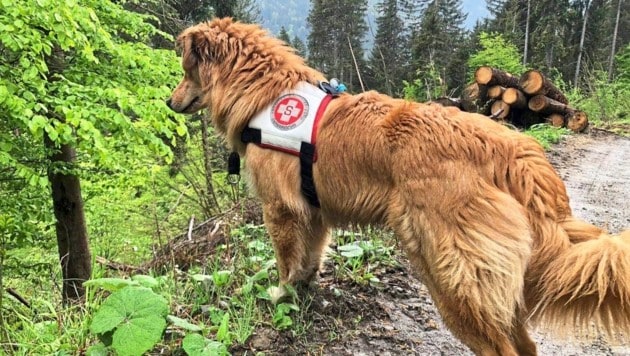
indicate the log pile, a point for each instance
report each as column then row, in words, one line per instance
column 521, row 101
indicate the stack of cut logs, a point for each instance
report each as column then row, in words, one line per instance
column 524, row 101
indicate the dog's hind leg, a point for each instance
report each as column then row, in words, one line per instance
column 524, row 343
column 299, row 241
column 473, row 258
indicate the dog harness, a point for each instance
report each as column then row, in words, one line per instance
column 290, row 125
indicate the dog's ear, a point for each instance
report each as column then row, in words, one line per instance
column 189, row 51
column 198, row 45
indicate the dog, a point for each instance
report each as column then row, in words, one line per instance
column 480, row 212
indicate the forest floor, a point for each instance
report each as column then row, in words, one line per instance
column 399, row 317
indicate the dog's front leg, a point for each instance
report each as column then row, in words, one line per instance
column 299, row 241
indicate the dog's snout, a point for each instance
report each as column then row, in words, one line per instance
column 168, row 103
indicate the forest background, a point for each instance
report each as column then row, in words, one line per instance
column 93, row 164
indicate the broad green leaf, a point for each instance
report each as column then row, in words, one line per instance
column 221, row 278
column 138, row 317
column 350, row 250
column 97, row 350
column 223, row 334
column 183, row 323
column 110, row 284
column 145, row 281
column 197, row 345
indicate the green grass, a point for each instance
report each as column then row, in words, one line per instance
column 547, row 135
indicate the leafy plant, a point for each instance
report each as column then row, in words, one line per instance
column 546, row 135
column 197, row 345
column 429, row 85
column 281, row 318
column 496, row 51
column 131, row 320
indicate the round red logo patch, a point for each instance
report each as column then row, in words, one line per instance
column 289, row 111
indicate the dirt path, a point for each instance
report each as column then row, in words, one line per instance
column 400, row 318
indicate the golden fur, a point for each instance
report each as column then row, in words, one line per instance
column 480, row 212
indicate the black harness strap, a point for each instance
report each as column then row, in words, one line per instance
column 307, row 157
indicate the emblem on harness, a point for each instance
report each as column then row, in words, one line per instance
column 289, row 111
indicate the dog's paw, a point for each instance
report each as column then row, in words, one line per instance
column 277, row 294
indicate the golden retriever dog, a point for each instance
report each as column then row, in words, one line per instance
column 480, row 212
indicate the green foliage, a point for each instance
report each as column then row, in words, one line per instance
column 197, row 345
column 498, row 52
column 183, row 323
column 388, row 58
column 357, row 258
column 131, row 320
column 281, row 318
column 546, row 134
column 436, row 41
column 82, row 73
column 428, row 86
column 330, row 50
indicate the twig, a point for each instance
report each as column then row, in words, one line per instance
column 190, row 227
column 118, row 266
column 17, row 296
column 496, row 114
column 356, row 65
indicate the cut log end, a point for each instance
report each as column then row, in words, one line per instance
column 495, row 92
column 483, row 75
column 556, row 120
column 471, row 92
column 492, row 76
column 532, row 82
column 499, row 110
column 514, row 98
column 537, row 103
column 578, row 121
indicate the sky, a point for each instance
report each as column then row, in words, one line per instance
column 476, row 9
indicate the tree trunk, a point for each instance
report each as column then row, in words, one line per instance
column 581, row 49
column 526, row 33
column 533, row 82
column 72, row 238
column 545, row 105
column 491, row 76
column 514, row 98
column 614, row 43
column 71, row 230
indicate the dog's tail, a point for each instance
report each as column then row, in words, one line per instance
column 587, row 281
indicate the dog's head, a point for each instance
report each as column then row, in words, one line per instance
column 235, row 70
column 199, row 47
column 228, row 57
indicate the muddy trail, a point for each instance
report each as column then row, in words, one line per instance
column 399, row 318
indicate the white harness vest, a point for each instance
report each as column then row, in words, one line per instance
column 292, row 118
column 290, row 124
